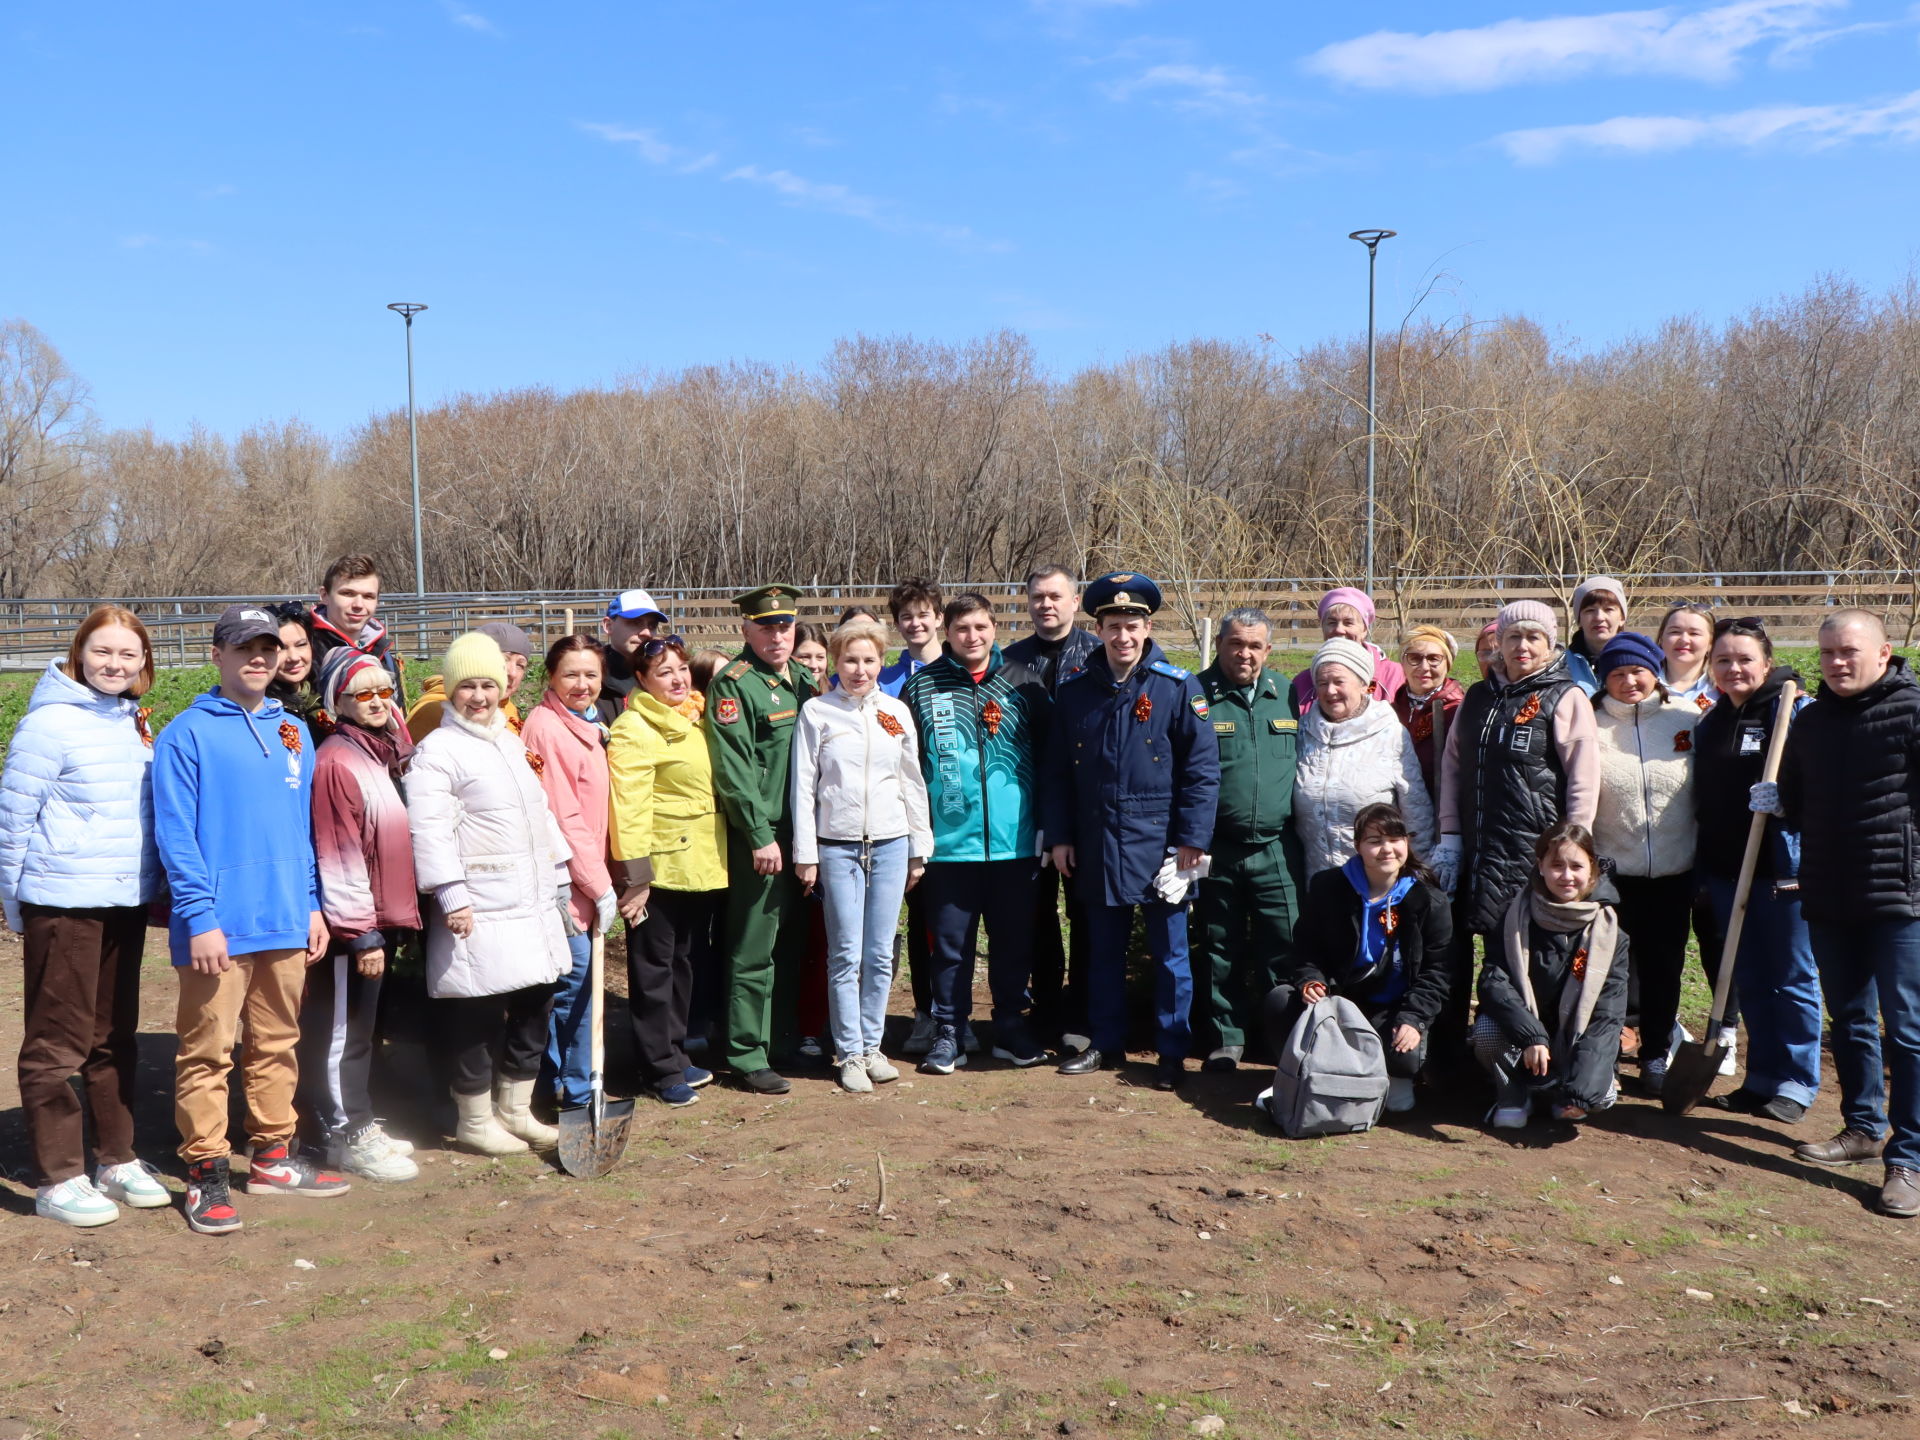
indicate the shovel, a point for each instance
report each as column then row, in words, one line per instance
column 1691, row 1072
column 594, row 1136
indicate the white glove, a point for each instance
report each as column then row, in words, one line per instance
column 1764, row 798
column 1170, row 883
column 609, row 910
column 1445, row 862
column 564, row 900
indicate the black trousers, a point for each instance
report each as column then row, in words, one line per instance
column 660, row 981
column 1059, row 958
column 1655, row 915
column 486, row 1034
column 1284, row 1007
column 337, row 1023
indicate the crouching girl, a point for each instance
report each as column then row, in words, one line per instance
column 1553, row 998
column 1376, row 931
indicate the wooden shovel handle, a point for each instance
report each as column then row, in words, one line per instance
column 1756, row 837
column 599, row 1041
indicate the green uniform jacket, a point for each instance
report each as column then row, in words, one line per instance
column 751, row 710
column 1259, row 742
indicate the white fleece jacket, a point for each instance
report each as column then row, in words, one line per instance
column 1644, row 821
column 1349, row 764
column 856, row 775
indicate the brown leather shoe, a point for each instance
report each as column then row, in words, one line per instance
column 1900, row 1196
column 1849, row 1147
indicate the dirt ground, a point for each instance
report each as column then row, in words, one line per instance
column 1085, row 1257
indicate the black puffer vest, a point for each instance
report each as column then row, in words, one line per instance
column 1851, row 778
column 1512, row 786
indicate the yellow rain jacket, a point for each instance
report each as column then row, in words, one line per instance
column 663, row 802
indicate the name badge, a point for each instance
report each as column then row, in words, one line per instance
column 1753, row 740
column 1280, row 727
column 1223, row 727
column 1520, row 742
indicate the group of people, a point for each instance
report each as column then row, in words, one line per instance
column 756, row 821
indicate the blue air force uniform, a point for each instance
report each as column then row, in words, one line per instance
column 1133, row 771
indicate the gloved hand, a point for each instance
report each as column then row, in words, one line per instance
column 608, row 906
column 563, row 899
column 1445, row 862
column 1764, row 798
column 1170, row 882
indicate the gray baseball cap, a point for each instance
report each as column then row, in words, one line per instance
column 240, row 623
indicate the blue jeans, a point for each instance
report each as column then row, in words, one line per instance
column 863, row 910
column 1110, row 936
column 1861, row 964
column 569, row 1042
column 1779, row 990
column 961, row 894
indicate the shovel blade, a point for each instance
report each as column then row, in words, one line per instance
column 1690, row 1075
column 588, row 1149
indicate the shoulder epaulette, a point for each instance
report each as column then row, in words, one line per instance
column 737, row 669
column 1170, row 670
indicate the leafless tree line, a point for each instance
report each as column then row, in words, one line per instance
column 1787, row 439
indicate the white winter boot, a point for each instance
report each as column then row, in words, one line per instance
column 479, row 1131
column 513, row 1104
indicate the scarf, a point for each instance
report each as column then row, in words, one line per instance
column 392, row 747
column 1598, row 927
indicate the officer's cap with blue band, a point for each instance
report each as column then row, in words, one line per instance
column 1122, row 592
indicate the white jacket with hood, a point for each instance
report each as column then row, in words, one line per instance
column 856, row 775
column 76, row 802
column 484, row 837
column 1346, row 765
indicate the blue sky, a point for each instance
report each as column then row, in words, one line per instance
column 211, row 203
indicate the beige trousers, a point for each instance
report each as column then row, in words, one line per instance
column 265, row 989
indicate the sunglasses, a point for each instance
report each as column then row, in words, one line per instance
column 650, row 648
column 385, row 693
column 1745, row 622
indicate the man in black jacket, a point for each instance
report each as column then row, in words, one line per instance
column 1056, row 649
column 1850, row 781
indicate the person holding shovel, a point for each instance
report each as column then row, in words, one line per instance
column 1851, row 782
column 1774, row 969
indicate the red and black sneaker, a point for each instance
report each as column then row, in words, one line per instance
column 276, row 1170
column 209, row 1201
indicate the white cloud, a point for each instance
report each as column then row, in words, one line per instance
column 1810, row 126
column 469, row 19
column 1698, row 45
column 1207, row 88
column 648, row 145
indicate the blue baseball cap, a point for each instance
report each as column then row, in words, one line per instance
column 633, row 605
column 1122, row 592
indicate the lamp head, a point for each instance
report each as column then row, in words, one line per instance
column 406, row 309
column 1372, row 238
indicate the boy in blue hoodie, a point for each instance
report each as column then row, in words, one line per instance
column 232, row 804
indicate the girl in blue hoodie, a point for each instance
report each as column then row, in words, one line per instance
column 77, row 870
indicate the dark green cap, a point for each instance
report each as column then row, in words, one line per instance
column 770, row 604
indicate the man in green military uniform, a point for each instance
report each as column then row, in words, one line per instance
column 752, row 706
column 1245, row 908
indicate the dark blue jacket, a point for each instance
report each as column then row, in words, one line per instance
column 1054, row 660
column 1132, row 771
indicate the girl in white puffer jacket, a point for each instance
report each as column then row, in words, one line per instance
column 78, row 867
column 1363, row 757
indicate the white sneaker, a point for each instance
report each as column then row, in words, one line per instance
column 370, row 1155
column 854, row 1077
column 969, row 1042
column 1399, row 1095
column 879, row 1068
column 1729, row 1050
column 75, row 1202
column 132, row 1184
column 921, row 1039
column 1510, row 1117
column 394, row 1142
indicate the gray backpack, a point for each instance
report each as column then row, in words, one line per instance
column 1331, row 1078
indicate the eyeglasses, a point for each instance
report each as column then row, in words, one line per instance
column 385, row 693
column 651, row 648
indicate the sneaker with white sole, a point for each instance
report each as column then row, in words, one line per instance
column 920, row 1038
column 1510, row 1117
column 1399, row 1095
column 210, row 1198
column 75, row 1202
column 132, row 1183
column 398, row 1146
column 879, row 1069
column 369, row 1154
column 1729, row 1051
column 854, row 1077
column 277, row 1170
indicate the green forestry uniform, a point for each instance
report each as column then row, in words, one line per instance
column 752, row 708
column 1245, row 908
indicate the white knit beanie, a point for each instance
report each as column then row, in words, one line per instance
column 1350, row 653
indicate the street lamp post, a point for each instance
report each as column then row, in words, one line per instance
column 1371, row 239
column 406, row 310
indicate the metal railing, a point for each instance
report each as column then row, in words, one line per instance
column 1791, row 602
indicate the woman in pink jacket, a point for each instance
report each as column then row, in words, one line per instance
column 568, row 746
